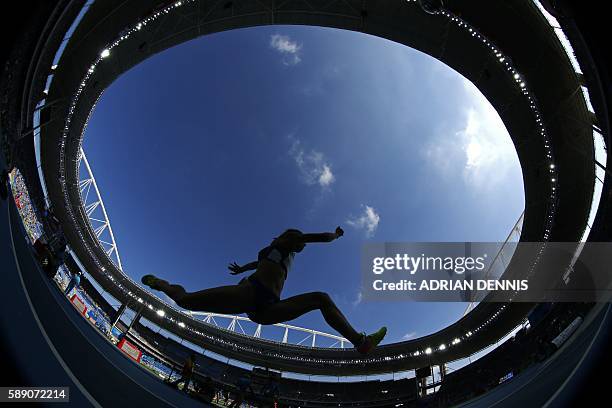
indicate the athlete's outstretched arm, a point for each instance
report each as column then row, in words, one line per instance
column 236, row 269
column 323, row 236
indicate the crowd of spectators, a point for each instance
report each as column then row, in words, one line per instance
column 43, row 230
column 31, row 223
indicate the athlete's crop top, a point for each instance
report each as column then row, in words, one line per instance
column 277, row 255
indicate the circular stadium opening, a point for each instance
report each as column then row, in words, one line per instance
column 208, row 150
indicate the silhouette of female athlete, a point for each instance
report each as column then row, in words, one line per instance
column 259, row 295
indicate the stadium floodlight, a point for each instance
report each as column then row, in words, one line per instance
column 428, row 350
column 105, row 53
column 139, row 300
column 150, row 307
column 442, row 347
column 181, row 324
column 553, row 180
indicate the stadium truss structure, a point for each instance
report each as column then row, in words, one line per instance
column 544, row 106
column 94, row 208
column 502, row 258
column 308, row 336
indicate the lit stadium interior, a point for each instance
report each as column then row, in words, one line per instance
column 531, row 61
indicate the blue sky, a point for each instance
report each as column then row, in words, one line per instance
column 207, row 151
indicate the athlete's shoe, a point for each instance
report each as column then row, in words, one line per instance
column 371, row 341
column 151, row 281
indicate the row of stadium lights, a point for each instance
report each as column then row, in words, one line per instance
column 501, row 58
column 519, row 80
column 504, row 61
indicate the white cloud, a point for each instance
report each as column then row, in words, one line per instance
column 290, row 49
column 358, row 299
column 409, row 336
column 480, row 149
column 368, row 220
column 312, row 165
column 326, row 177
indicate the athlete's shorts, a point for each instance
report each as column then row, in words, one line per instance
column 264, row 297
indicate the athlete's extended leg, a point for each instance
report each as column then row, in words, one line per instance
column 296, row 306
column 223, row 299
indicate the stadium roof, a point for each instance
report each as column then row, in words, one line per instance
column 505, row 48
